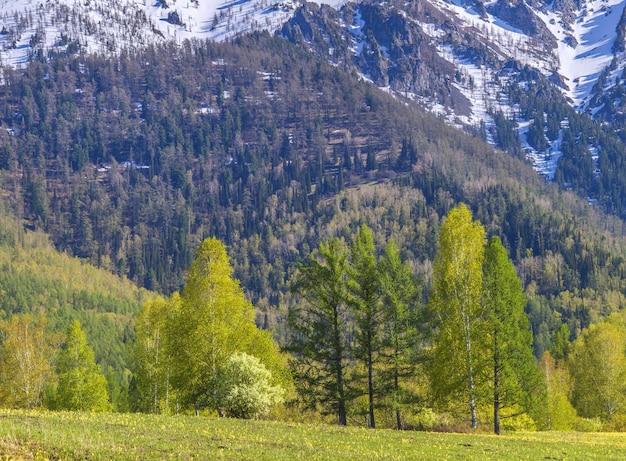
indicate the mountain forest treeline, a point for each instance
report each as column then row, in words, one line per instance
column 364, row 347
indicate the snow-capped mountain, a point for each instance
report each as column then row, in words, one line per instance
column 481, row 65
column 477, row 64
column 106, row 26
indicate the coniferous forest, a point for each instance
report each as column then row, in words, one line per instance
column 130, row 163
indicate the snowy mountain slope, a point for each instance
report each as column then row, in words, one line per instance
column 462, row 59
column 106, row 26
column 482, row 50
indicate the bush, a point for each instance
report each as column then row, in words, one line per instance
column 245, row 388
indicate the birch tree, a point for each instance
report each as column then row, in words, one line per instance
column 26, row 361
column 456, row 305
column 152, row 353
column 597, row 365
column 214, row 321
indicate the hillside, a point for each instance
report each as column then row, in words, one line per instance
column 35, row 278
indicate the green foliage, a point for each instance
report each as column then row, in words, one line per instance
column 401, row 300
column 364, row 298
column 152, row 356
column 82, row 387
column 318, row 324
column 516, row 380
column 458, row 363
column 26, row 355
column 244, row 387
column 597, row 365
column 560, row 343
column 201, row 329
column 559, row 414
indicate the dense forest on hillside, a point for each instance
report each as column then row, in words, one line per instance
column 130, row 162
column 37, row 280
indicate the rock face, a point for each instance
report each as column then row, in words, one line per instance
column 382, row 43
column 519, row 15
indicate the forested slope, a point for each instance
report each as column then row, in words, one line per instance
column 129, row 162
column 36, row 279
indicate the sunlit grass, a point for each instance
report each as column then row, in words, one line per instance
column 73, row 436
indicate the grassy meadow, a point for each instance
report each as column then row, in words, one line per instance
column 74, row 436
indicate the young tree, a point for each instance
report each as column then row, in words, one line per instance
column 364, row 299
column 246, row 388
column 82, row 387
column 597, row 365
column 152, row 355
column 319, row 341
column 26, row 361
column 400, row 296
column 515, row 375
column 456, row 305
column 559, row 414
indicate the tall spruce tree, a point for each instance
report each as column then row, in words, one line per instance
column 318, row 325
column 456, row 305
column 515, row 375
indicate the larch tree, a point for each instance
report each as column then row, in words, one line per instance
column 82, row 386
column 365, row 300
column 400, row 298
column 26, row 356
column 515, row 377
column 318, row 324
column 455, row 303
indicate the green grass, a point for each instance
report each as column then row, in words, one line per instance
column 73, row 436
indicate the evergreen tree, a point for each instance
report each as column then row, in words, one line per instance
column 365, row 300
column 400, row 298
column 455, row 304
column 82, row 387
column 318, row 325
column 515, row 375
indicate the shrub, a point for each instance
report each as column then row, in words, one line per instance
column 245, row 388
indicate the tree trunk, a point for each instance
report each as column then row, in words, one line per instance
column 496, row 385
column 339, row 359
column 370, row 379
column 470, row 376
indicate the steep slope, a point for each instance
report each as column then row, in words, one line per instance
column 31, row 28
